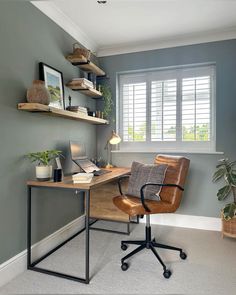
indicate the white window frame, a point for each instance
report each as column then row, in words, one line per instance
column 167, row 73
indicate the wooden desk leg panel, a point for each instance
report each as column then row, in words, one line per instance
column 101, row 204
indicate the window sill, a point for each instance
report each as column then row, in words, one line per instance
column 165, row 152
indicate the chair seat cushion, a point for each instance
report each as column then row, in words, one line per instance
column 133, row 206
column 146, row 173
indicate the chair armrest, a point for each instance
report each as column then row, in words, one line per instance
column 158, row 184
column 119, row 182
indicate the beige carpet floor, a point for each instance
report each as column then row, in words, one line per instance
column 209, row 269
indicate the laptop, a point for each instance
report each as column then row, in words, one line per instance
column 79, row 157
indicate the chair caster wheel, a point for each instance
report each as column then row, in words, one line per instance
column 183, row 255
column 167, row 274
column 124, row 247
column 124, row 266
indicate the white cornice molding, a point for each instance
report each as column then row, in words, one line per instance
column 168, row 43
column 54, row 13
column 62, row 20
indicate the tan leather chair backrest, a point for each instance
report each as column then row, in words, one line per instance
column 176, row 173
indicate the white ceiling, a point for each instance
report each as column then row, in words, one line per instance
column 132, row 25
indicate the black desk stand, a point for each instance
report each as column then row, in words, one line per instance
column 32, row 265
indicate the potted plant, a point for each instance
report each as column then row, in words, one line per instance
column 43, row 159
column 225, row 170
column 107, row 99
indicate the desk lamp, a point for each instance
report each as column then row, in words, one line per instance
column 114, row 139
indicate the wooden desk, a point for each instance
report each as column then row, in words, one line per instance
column 94, row 191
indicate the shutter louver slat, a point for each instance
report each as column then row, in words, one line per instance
column 163, row 110
column 196, row 109
column 134, row 112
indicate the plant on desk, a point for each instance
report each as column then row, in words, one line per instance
column 225, row 170
column 43, row 159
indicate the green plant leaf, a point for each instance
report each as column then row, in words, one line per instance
column 220, row 165
column 230, row 164
column 44, row 158
column 107, row 100
column 223, row 192
column 218, row 174
column 229, row 211
column 231, row 178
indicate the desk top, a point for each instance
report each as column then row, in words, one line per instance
column 96, row 181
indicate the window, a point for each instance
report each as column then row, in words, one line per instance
column 171, row 109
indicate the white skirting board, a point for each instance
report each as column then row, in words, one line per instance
column 18, row 264
column 188, row 221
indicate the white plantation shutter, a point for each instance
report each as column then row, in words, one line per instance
column 196, row 109
column 171, row 109
column 134, row 112
column 163, row 110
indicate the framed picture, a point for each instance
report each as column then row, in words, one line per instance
column 54, row 83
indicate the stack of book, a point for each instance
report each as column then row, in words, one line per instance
column 78, row 109
column 82, row 177
column 85, row 83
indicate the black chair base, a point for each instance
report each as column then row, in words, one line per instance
column 151, row 244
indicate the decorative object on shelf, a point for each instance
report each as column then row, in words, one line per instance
column 93, row 79
column 78, row 109
column 107, row 99
column 225, row 170
column 85, row 64
column 99, row 114
column 50, row 111
column 43, row 159
column 54, row 83
column 77, row 50
column 83, row 81
column 86, row 88
column 69, row 98
column 38, row 93
column 113, row 140
column 92, row 114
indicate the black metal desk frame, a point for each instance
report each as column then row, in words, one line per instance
column 32, row 265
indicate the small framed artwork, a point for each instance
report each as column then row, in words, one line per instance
column 54, row 83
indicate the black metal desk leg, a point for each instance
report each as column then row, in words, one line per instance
column 87, row 213
column 28, row 227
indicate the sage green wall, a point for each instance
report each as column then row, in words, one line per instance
column 200, row 194
column 26, row 38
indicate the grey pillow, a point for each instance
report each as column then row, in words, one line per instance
column 141, row 174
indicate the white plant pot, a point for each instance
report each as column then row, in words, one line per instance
column 43, row 173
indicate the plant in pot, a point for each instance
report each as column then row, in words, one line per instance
column 107, row 100
column 225, row 169
column 43, row 159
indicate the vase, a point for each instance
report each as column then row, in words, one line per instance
column 43, row 173
column 38, row 93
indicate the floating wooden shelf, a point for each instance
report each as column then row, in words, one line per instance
column 84, row 64
column 84, row 89
column 37, row 107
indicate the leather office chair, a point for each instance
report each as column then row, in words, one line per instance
column 171, row 194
